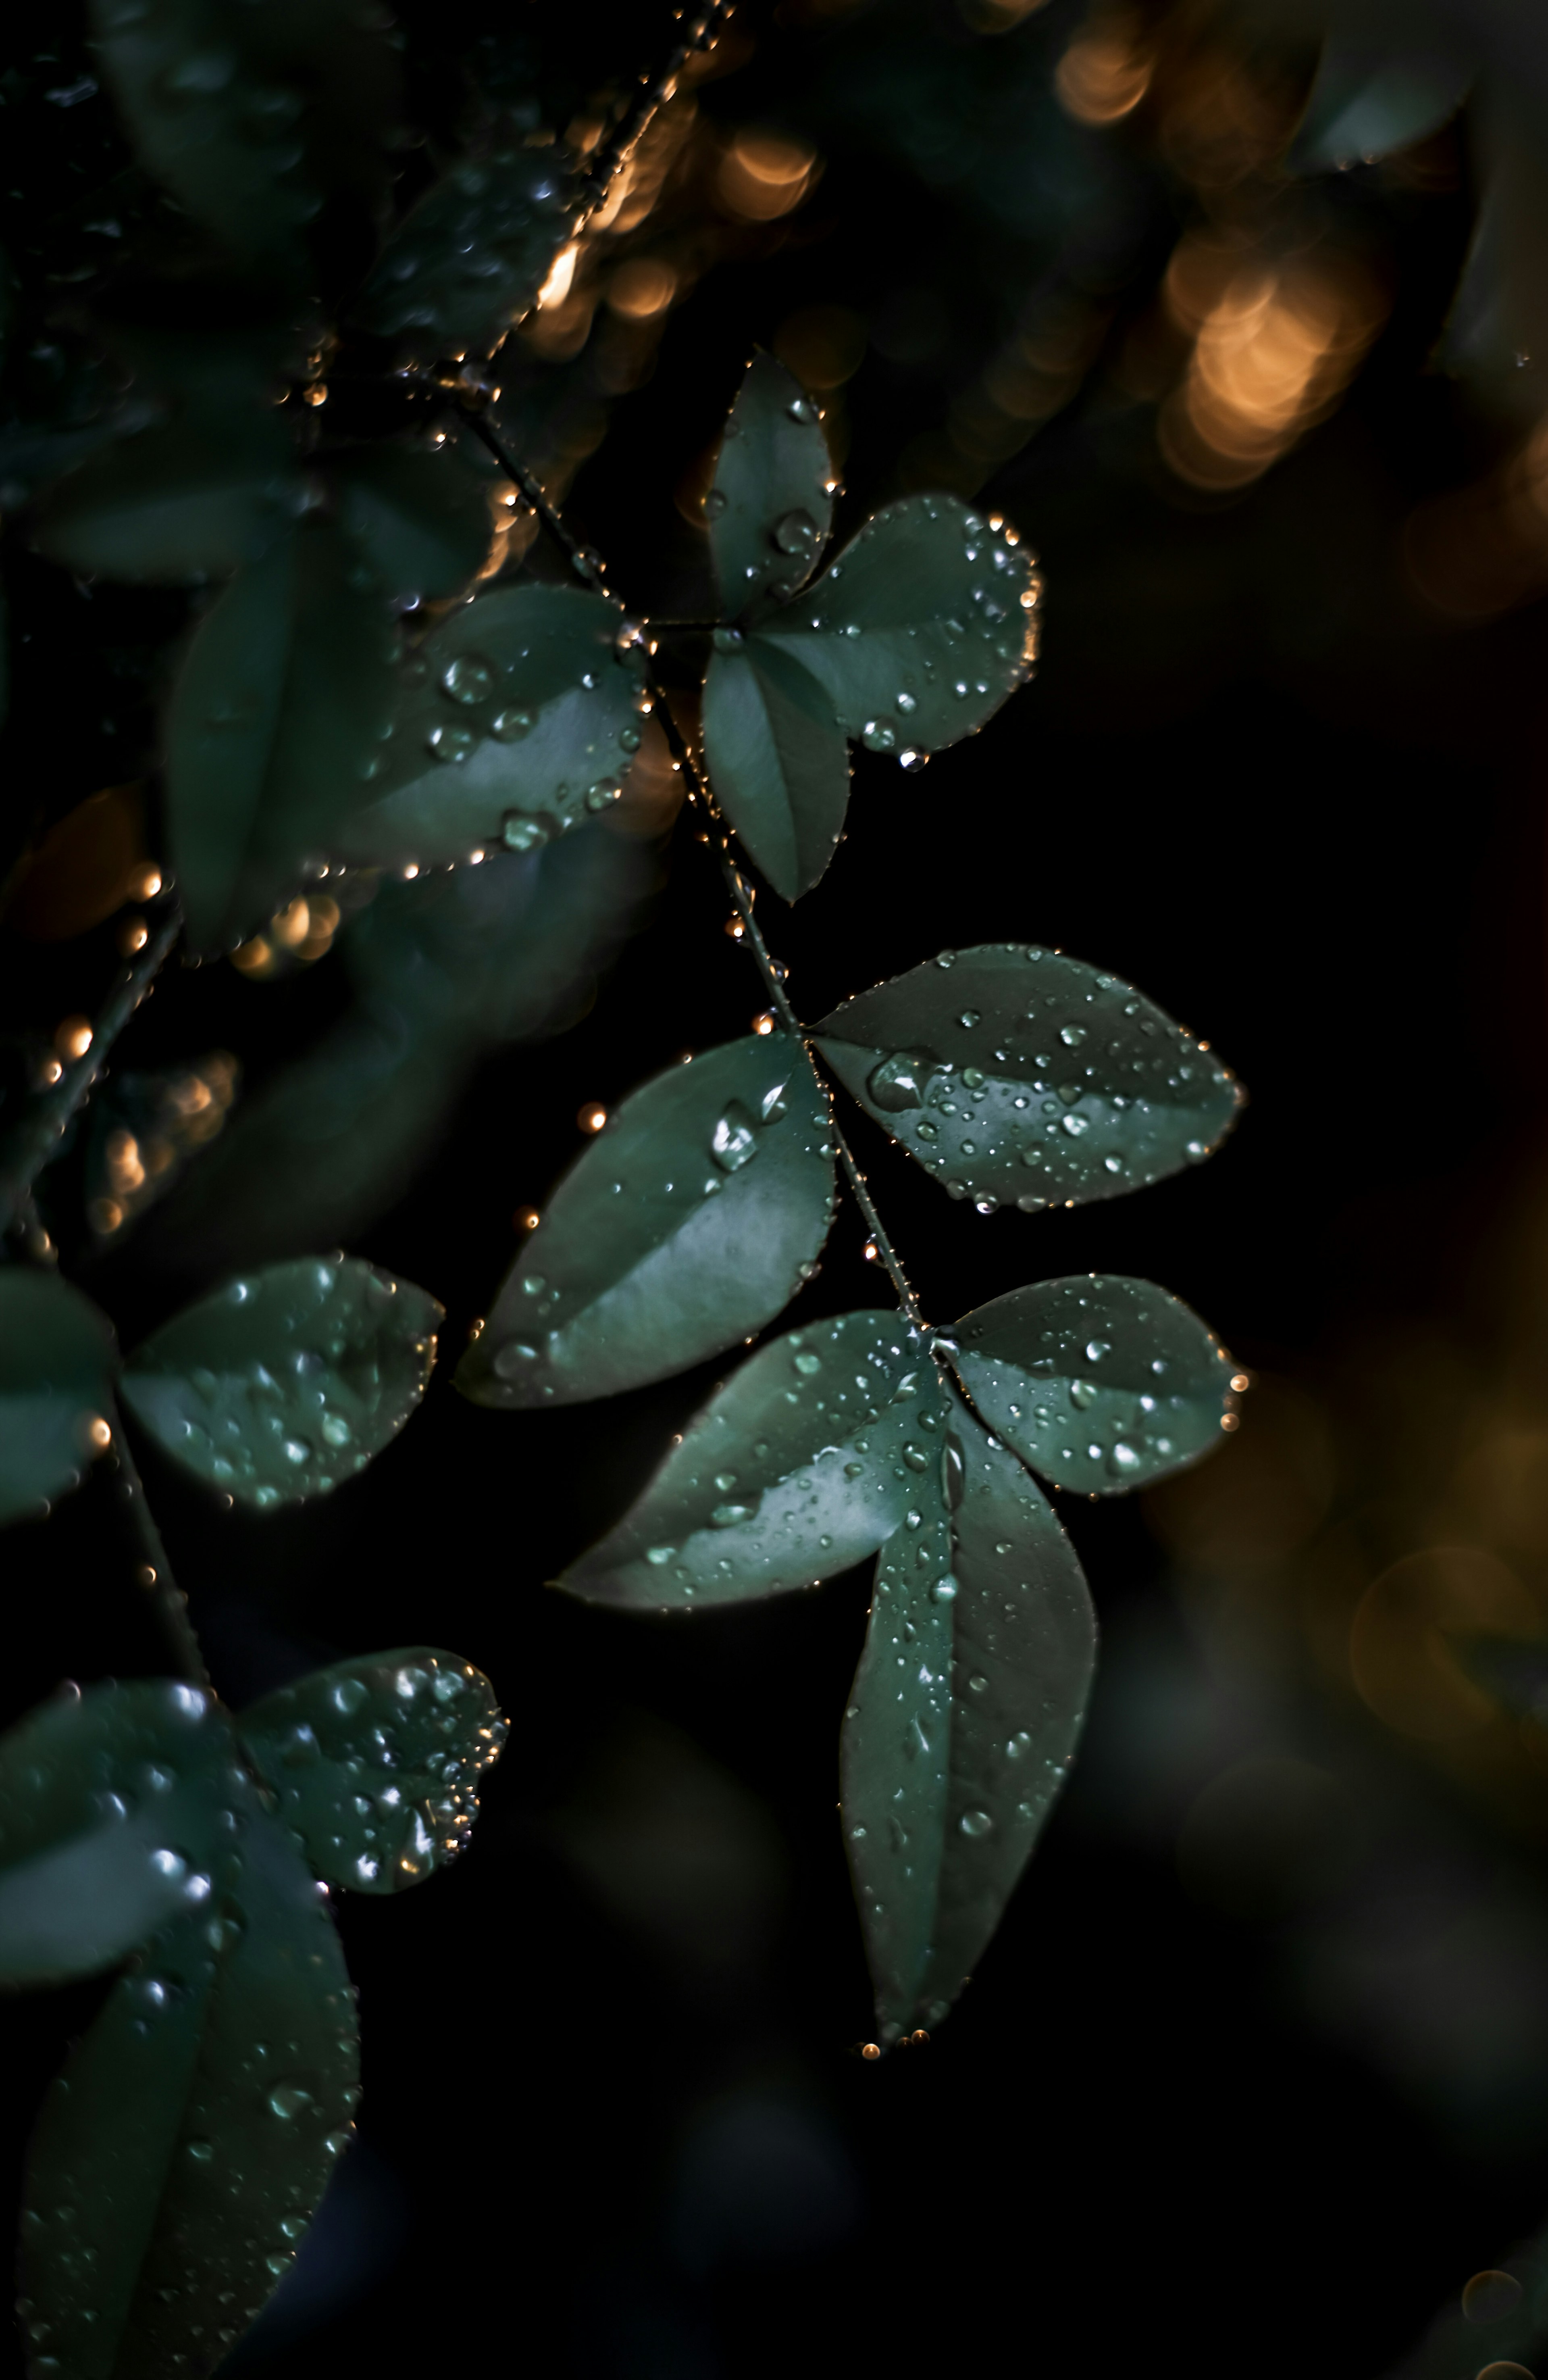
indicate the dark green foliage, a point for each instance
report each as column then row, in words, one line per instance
column 780, row 761
column 771, row 509
column 472, row 255
column 421, row 518
column 1373, row 97
column 284, row 1384
column 199, row 496
column 56, row 1363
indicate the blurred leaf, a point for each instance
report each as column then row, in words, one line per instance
column 962, row 1718
column 516, row 718
column 777, row 761
column 281, row 1386
column 276, row 715
column 770, row 510
column 690, row 1222
column 180, row 2155
column 56, row 1366
column 421, row 519
column 1101, row 1383
column 803, row 1462
column 143, row 1132
column 1498, row 326
column 470, row 257
column 1062, row 1082
column 1371, row 97
column 115, row 1807
column 192, row 498
column 376, row 1762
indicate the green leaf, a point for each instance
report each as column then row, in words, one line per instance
column 962, row 1720
column 254, row 117
column 114, row 1809
column 689, row 1223
column 777, row 761
column 1099, row 1382
column 516, row 719
column 276, row 717
column 376, row 1762
column 1373, row 96
column 192, row 498
column 770, row 510
column 1017, row 1075
column 421, row 519
column 920, row 627
column 470, row 257
column 56, row 1367
column 181, row 2154
column 284, row 1385
column 801, row 1463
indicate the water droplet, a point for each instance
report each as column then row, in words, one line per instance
column 201, row 2151
column 976, row 1823
column 912, row 758
column 1075, row 1125
column 727, row 1516
column 970, row 1016
column 510, row 726
column 1071, row 1034
column 944, row 1589
column 168, row 1864
column 450, row 742
column 899, row 1082
column 807, row 1363
column 733, row 1142
column 1123, row 1461
column 714, row 503
column 348, row 1696
column 657, row 1554
column 1019, row 1745
column 1084, row 1393
column 803, row 411
column 1096, row 1349
column 880, row 736
column 288, row 2099
column 469, row 678
column 295, row 1450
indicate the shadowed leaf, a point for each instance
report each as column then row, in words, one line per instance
column 777, row 761
column 56, row 1367
column 771, row 509
column 470, row 257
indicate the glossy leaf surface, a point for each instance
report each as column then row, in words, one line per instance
column 201, row 496
column 962, row 1720
column 56, row 1366
column 285, row 1383
column 180, row 2155
column 918, row 631
column 114, row 1814
column 517, row 720
column 421, row 519
column 277, row 714
column 771, row 509
column 689, row 1223
column 1373, row 96
column 377, row 1761
column 1021, row 1076
column 471, row 256
column 1099, row 1382
column 803, row 1462
column 777, row 762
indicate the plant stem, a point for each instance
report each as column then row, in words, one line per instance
column 35, row 1137
column 156, row 1572
column 651, row 91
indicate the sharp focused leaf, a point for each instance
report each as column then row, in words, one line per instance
column 183, row 2151
column 1102, row 1384
column 275, row 720
column 284, row 1384
column 470, row 259
column 803, row 1462
column 1373, row 97
column 196, row 498
column 421, row 519
column 919, row 630
column 56, row 1366
column 1021, row 1076
column 777, row 761
column 516, row 719
column 114, row 1810
column 962, row 1718
column 771, row 509
column 690, row 1222
column 376, row 1762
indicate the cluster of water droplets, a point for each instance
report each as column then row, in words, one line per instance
column 471, row 256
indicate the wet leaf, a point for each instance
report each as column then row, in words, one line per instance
column 962, row 1720
column 1021, row 1076
column 516, row 719
column 180, row 2155
column 276, row 715
column 193, row 499
column 376, row 1762
column 1372, row 96
column 919, row 630
column 801, row 1463
column 690, row 1222
column 1101, row 1383
column 113, row 1815
column 284, row 1384
column 56, row 1366
column 421, row 519
column 770, row 510
column 777, row 762
column 470, row 257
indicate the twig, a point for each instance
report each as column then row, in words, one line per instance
column 651, row 91
column 155, row 1572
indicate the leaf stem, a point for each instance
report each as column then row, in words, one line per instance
column 652, row 91
column 155, row 1570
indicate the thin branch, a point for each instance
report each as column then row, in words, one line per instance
column 155, row 1572
column 652, row 91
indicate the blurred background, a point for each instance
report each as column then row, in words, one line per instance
column 1257, row 2069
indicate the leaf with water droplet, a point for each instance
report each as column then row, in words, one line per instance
column 283, row 1385
column 181, row 2154
column 531, row 738
column 200, row 497
column 961, row 1723
column 1370, row 98
column 684, row 1226
column 470, row 256
column 775, row 505
column 113, row 1810
column 1099, row 1382
column 280, row 700
column 1084, row 1088
column 407, row 1733
column 57, row 1360
column 777, row 761
column 421, row 519
column 812, row 1429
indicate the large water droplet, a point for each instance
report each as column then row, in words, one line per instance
column 880, row 736
column 450, row 742
column 469, row 678
column 520, row 834
column 288, row 2099
column 510, row 726
column 796, row 533
column 898, row 1084
column 976, row 1823
column 733, row 1142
